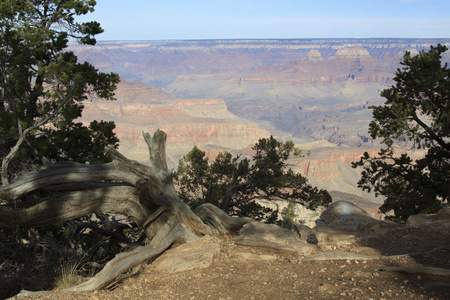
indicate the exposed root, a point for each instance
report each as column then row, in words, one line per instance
column 124, row 262
column 144, row 194
column 219, row 220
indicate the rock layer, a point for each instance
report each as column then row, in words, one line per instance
column 212, row 93
column 202, row 122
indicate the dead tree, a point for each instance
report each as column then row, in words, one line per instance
column 144, row 194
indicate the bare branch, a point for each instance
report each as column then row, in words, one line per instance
column 6, row 160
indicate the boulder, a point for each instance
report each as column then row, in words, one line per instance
column 377, row 227
column 438, row 221
column 306, row 233
column 334, row 236
column 330, row 238
column 344, row 215
column 273, row 236
column 189, row 256
column 344, row 212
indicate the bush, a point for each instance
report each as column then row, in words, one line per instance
column 235, row 184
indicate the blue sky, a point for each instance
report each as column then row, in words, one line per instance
column 235, row 19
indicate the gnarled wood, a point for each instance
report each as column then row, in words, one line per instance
column 60, row 207
column 219, row 220
column 144, row 194
column 127, row 260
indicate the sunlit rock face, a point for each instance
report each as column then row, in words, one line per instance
column 307, row 89
column 203, row 122
column 227, row 94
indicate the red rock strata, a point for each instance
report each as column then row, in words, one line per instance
column 202, row 122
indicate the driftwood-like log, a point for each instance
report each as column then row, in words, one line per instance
column 61, row 207
column 144, row 194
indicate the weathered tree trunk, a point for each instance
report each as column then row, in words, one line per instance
column 145, row 194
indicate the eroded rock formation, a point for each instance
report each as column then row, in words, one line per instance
column 188, row 122
column 212, row 93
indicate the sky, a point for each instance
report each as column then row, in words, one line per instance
column 270, row 19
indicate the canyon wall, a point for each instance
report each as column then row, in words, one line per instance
column 308, row 89
column 226, row 94
column 203, row 122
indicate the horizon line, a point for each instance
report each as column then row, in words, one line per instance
column 447, row 40
column 275, row 39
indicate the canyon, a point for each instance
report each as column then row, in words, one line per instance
column 227, row 94
column 203, row 122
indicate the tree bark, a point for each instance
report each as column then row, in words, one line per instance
column 145, row 194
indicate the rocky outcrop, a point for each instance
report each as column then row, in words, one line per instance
column 344, row 212
column 297, row 213
column 342, row 217
column 356, row 51
column 437, row 221
column 326, row 164
column 273, row 236
column 314, row 55
column 195, row 255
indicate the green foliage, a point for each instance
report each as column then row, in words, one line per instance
column 416, row 113
column 234, row 183
column 42, row 83
column 37, row 73
column 289, row 216
column 79, row 143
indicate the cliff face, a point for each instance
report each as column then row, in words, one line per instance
column 329, row 167
column 304, row 97
column 226, row 94
column 202, row 122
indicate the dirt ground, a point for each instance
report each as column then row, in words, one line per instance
column 285, row 275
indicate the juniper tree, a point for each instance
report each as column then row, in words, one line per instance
column 234, row 184
column 416, row 113
column 42, row 84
